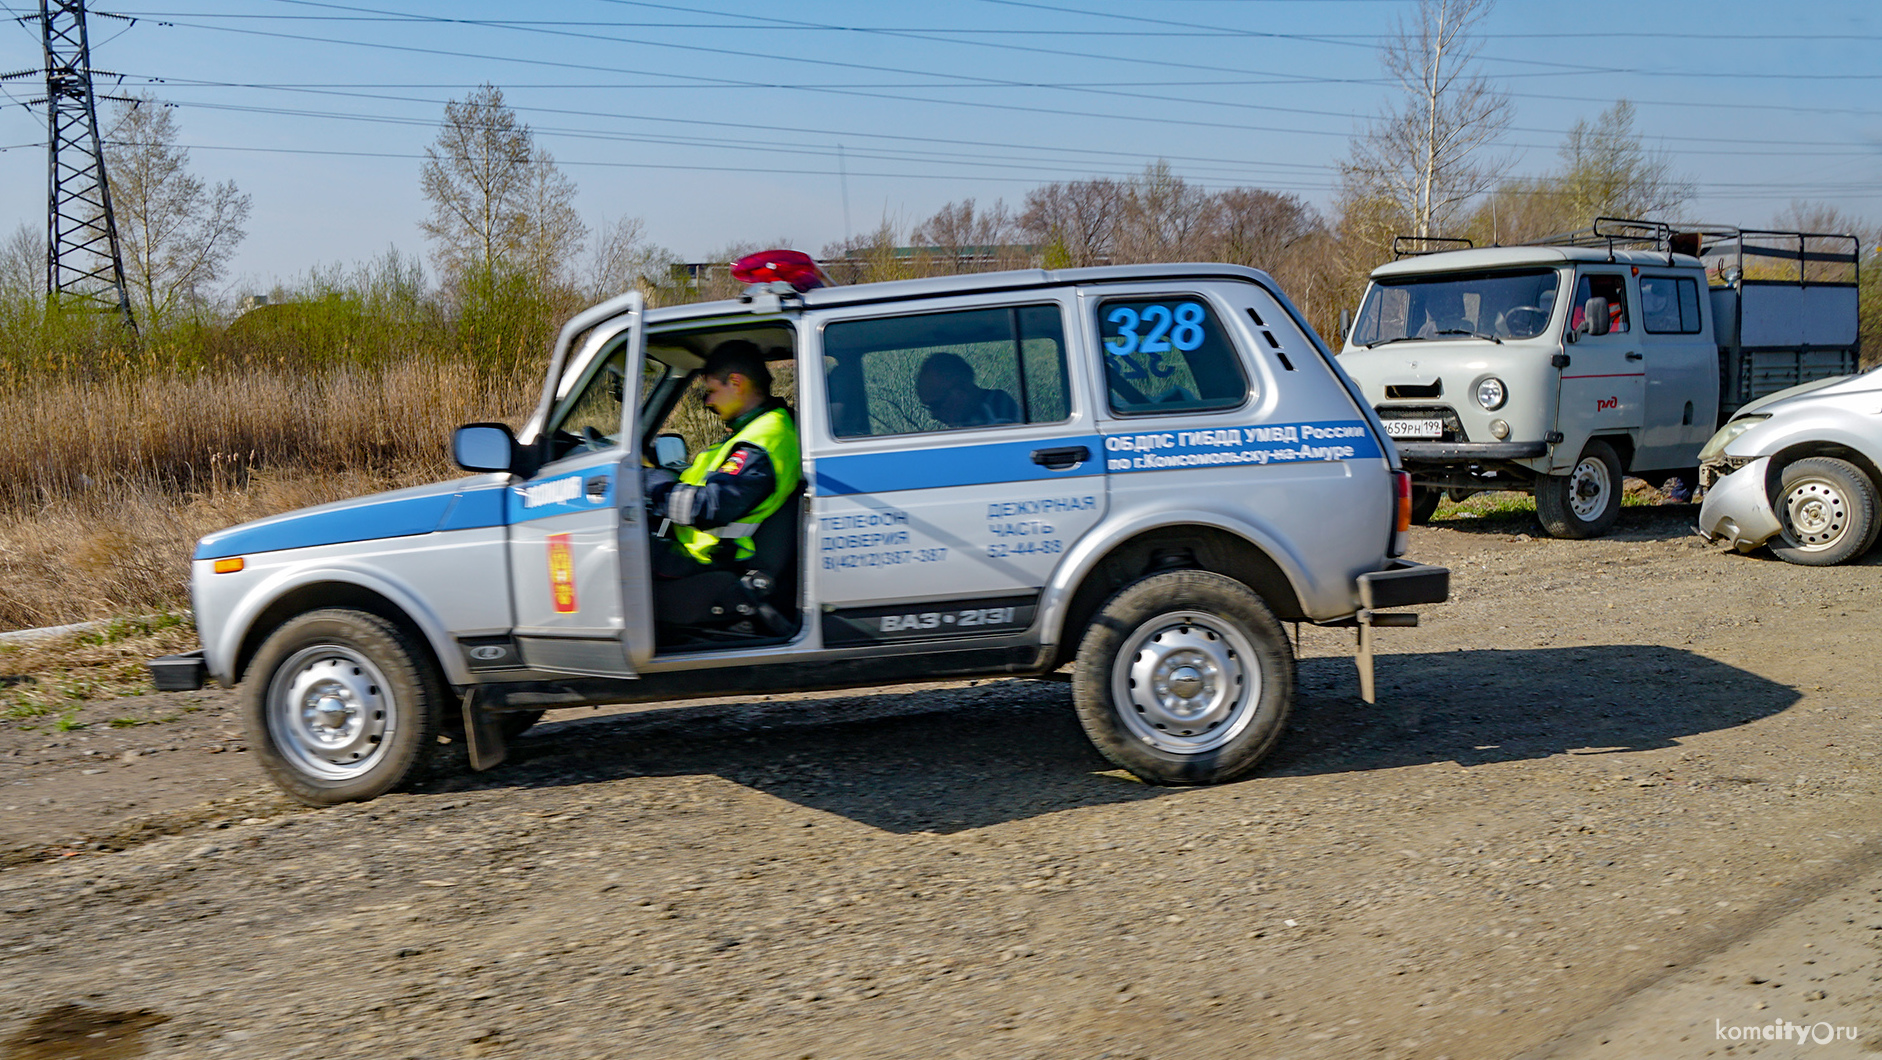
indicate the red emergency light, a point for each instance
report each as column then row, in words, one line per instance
column 771, row 266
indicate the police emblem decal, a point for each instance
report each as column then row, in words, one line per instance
column 562, row 574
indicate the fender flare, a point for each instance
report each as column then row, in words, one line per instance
column 222, row 655
column 1083, row 558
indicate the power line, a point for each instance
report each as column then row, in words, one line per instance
column 1212, row 31
column 958, row 78
column 1770, row 148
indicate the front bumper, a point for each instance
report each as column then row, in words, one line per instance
column 179, row 673
column 1469, row 452
column 1737, row 508
column 1403, row 583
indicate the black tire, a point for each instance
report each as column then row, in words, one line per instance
column 1826, row 512
column 517, row 722
column 342, row 706
column 1586, row 501
column 1425, row 501
column 1214, row 636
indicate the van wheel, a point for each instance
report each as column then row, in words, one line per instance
column 1826, row 512
column 1425, row 501
column 342, row 706
column 1586, row 501
column 1184, row 678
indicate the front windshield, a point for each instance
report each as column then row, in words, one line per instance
column 1488, row 305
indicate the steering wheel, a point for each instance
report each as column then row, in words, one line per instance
column 594, row 439
column 1525, row 320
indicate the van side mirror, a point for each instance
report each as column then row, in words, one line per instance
column 669, row 451
column 484, row 447
column 1594, row 317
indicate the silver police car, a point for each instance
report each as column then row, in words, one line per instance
column 1163, row 464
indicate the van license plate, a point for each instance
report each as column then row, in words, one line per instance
column 1414, row 428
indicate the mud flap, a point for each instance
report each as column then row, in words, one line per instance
column 482, row 735
column 1365, row 620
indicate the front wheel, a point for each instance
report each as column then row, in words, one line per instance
column 1425, row 501
column 342, row 706
column 1586, row 501
column 1184, row 678
column 1826, row 512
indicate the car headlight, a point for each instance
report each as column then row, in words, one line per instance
column 1716, row 447
column 1491, row 393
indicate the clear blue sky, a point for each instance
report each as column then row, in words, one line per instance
column 719, row 122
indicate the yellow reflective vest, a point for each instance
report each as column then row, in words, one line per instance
column 774, row 431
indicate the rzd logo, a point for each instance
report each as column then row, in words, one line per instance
column 562, row 574
column 1604, row 404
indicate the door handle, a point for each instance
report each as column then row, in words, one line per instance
column 1634, row 356
column 1056, row 459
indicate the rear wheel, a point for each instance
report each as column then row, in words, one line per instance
column 1826, row 512
column 342, row 706
column 1184, row 678
column 1586, row 501
column 1425, row 501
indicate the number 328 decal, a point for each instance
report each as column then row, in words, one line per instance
column 1152, row 331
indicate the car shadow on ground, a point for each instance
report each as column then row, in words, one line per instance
column 1477, row 707
column 1646, row 522
column 951, row 759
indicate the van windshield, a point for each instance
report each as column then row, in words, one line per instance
column 1514, row 304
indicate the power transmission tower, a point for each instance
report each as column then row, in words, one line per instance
column 83, row 258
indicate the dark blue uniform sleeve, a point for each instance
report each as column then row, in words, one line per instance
column 739, row 484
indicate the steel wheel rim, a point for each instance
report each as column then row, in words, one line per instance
column 1588, row 488
column 330, row 713
column 1816, row 515
column 1186, row 683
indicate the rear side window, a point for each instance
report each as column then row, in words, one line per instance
column 946, row 371
column 1669, row 305
column 1168, row 355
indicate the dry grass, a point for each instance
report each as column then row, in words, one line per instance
column 124, row 549
column 105, row 486
column 68, row 439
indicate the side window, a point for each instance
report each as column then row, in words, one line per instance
column 946, row 371
column 590, row 418
column 1168, row 355
column 1669, row 305
column 1602, row 285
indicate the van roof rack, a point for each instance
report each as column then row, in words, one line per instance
column 1629, row 233
column 1412, row 246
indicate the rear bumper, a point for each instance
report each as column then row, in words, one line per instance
column 1403, row 583
column 179, row 673
column 1469, row 452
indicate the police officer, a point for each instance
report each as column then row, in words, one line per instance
column 719, row 501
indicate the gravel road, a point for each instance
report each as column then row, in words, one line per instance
column 1618, row 797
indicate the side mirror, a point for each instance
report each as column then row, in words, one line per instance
column 1594, row 317
column 484, row 447
column 669, row 451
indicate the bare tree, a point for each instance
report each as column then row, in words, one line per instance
column 498, row 202
column 1257, row 227
column 23, row 264
column 1426, row 156
column 960, row 238
column 1075, row 222
column 552, row 231
column 623, row 259
column 1606, row 171
column 177, row 231
column 1164, row 218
